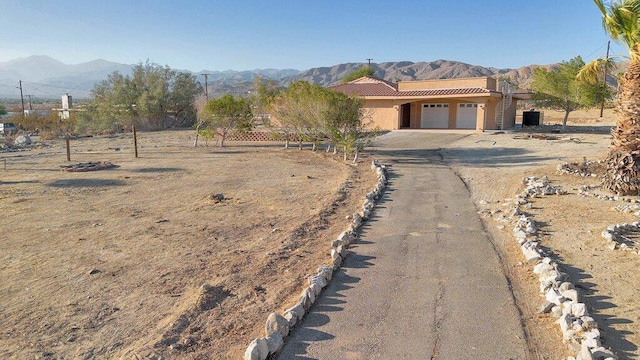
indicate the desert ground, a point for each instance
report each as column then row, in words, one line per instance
column 145, row 260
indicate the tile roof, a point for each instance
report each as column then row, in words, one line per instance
column 442, row 92
column 366, row 89
column 375, row 87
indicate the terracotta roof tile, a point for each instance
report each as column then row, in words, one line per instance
column 375, row 87
column 441, row 92
column 366, row 89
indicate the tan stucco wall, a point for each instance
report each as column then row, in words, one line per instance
column 384, row 114
column 483, row 82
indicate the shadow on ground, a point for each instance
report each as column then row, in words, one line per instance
column 91, row 183
column 492, row 156
column 157, row 170
column 611, row 337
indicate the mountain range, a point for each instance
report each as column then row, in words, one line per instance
column 43, row 77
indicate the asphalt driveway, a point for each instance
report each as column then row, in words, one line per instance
column 424, row 280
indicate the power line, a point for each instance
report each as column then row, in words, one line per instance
column 598, row 49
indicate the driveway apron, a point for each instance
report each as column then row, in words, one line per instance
column 423, row 281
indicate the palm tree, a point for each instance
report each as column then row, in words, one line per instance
column 621, row 21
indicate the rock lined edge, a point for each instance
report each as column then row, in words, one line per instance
column 579, row 330
column 278, row 327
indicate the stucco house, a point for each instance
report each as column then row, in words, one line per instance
column 466, row 103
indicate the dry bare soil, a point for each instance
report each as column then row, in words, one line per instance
column 143, row 259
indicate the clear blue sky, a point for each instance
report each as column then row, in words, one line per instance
column 250, row 34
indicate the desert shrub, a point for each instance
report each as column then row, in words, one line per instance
column 207, row 135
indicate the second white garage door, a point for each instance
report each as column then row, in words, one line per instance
column 467, row 115
column 435, row 116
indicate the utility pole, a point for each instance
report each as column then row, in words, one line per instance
column 369, row 60
column 30, row 106
column 206, row 86
column 605, row 75
column 21, row 97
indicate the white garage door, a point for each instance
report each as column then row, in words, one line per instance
column 435, row 116
column 467, row 115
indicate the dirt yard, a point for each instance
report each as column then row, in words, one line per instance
column 181, row 253
column 146, row 260
column 494, row 164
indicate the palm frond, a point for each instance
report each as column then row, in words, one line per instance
column 621, row 20
column 593, row 71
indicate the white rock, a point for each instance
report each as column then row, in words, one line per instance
column 345, row 237
column 326, row 271
column 277, row 322
column 553, row 296
column 315, row 288
column 571, row 294
column 565, row 323
column 22, row 140
column 585, row 353
column 608, row 234
column 579, row 310
column 566, row 286
column 542, row 268
column 291, row 317
column 258, row 350
column 275, row 341
column 567, row 308
column 334, row 253
column 591, row 343
column 530, row 254
column 298, row 309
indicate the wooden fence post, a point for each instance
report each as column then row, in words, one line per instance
column 66, row 138
column 135, row 141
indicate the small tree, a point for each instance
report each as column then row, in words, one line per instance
column 229, row 112
column 3, row 110
column 263, row 97
column 357, row 74
column 299, row 110
column 560, row 89
column 153, row 97
column 315, row 113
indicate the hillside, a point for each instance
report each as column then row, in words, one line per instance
column 406, row 70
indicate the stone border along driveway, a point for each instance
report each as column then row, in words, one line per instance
column 278, row 326
column 579, row 330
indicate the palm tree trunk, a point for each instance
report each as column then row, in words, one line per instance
column 623, row 162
